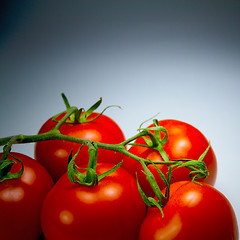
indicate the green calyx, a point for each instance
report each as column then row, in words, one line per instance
column 90, row 177
column 154, row 140
column 6, row 166
column 157, row 143
column 198, row 167
column 81, row 115
column 161, row 199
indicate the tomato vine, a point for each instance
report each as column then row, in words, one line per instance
column 152, row 139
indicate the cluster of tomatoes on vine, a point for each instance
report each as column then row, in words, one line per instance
column 88, row 182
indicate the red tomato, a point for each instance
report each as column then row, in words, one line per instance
column 184, row 142
column 21, row 200
column 193, row 212
column 53, row 154
column 113, row 209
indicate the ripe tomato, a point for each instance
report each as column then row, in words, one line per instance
column 184, row 142
column 53, row 154
column 112, row 209
column 21, row 200
column 193, row 212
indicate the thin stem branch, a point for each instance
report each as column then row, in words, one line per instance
column 70, row 111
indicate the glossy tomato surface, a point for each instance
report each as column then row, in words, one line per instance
column 184, row 142
column 53, row 154
column 113, row 209
column 193, row 212
column 21, row 200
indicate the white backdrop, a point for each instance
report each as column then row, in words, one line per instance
column 179, row 58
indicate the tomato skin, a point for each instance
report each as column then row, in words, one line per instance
column 21, row 200
column 193, row 212
column 184, row 142
column 53, row 154
column 113, row 209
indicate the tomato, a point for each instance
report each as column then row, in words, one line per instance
column 184, row 142
column 112, row 209
column 193, row 212
column 53, row 154
column 21, row 200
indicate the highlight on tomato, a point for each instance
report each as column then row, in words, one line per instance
column 90, row 125
column 183, row 142
column 110, row 209
column 193, row 211
column 21, row 197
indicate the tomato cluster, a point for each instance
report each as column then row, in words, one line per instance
column 44, row 200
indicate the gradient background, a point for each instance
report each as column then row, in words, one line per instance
column 179, row 58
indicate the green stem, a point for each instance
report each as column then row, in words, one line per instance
column 6, row 164
column 8, row 146
column 70, row 111
column 142, row 134
column 56, row 135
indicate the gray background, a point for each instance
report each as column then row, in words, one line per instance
column 179, row 58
